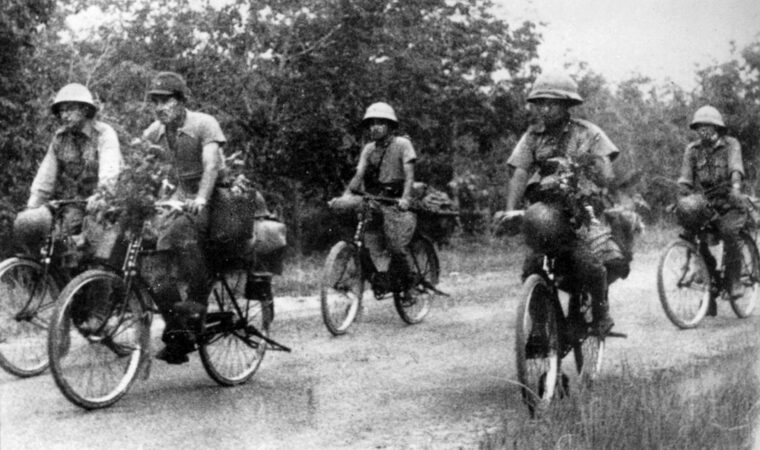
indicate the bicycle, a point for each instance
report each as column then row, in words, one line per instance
column 349, row 266
column 544, row 333
column 94, row 369
column 29, row 287
column 688, row 278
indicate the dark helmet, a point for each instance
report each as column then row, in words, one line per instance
column 546, row 229
column 555, row 86
column 693, row 211
column 168, row 83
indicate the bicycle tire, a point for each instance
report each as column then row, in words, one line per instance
column 537, row 344
column 683, row 284
column 750, row 278
column 427, row 269
column 232, row 355
column 342, row 288
column 95, row 368
column 589, row 352
column 26, row 306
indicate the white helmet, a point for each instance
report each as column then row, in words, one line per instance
column 707, row 115
column 380, row 110
column 74, row 93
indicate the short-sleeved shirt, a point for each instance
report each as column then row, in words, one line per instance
column 186, row 155
column 389, row 158
column 576, row 138
column 707, row 167
column 77, row 162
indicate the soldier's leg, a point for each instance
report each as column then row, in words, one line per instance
column 183, row 318
column 729, row 225
column 593, row 275
column 398, row 228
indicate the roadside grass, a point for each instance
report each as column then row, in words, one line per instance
column 712, row 404
column 302, row 274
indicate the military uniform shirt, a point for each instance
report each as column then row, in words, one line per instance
column 706, row 167
column 96, row 144
column 391, row 158
column 197, row 130
column 576, row 138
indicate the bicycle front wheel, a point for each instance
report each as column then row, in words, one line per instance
column 589, row 351
column 232, row 347
column 537, row 344
column 750, row 278
column 414, row 305
column 99, row 338
column 342, row 288
column 683, row 284
column 27, row 299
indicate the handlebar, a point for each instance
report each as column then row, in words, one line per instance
column 172, row 205
column 391, row 200
column 57, row 204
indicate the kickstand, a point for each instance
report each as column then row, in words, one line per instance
column 616, row 334
column 429, row 286
column 274, row 344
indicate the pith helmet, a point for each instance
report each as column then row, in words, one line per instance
column 380, row 110
column 555, row 85
column 74, row 93
column 546, row 229
column 693, row 211
column 168, row 83
column 707, row 115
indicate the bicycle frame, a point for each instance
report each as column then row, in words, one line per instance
column 368, row 268
column 130, row 271
column 46, row 256
column 706, row 236
column 578, row 300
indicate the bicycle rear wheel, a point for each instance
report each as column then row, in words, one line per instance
column 683, row 284
column 342, row 288
column 99, row 338
column 589, row 351
column 537, row 344
column 750, row 278
column 232, row 347
column 414, row 305
column 26, row 305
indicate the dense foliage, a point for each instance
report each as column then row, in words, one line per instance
column 289, row 81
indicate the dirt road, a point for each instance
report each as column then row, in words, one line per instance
column 441, row 384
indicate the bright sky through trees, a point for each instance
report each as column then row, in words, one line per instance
column 662, row 39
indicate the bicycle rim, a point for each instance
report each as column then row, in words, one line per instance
column 232, row 355
column 414, row 305
column 26, row 306
column 95, row 367
column 750, row 278
column 537, row 345
column 342, row 288
column 683, row 284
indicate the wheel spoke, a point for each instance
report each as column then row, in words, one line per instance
column 27, row 296
column 342, row 288
column 95, row 367
column 683, row 284
column 233, row 353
